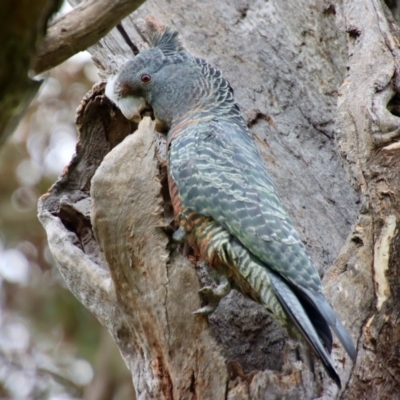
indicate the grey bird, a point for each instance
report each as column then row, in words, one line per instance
column 224, row 199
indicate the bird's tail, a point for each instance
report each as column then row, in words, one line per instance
column 283, row 303
column 299, row 316
column 287, row 306
column 319, row 302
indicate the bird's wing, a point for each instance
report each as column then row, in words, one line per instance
column 219, row 173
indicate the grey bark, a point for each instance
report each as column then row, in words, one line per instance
column 317, row 83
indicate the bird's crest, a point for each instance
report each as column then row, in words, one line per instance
column 167, row 41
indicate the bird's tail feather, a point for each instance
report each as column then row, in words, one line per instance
column 319, row 303
column 298, row 314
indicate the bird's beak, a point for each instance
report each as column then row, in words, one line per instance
column 131, row 107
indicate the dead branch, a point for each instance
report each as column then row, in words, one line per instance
column 77, row 30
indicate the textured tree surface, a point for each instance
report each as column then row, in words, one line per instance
column 317, row 82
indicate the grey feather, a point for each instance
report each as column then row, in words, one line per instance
column 293, row 307
column 168, row 41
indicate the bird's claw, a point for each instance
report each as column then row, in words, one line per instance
column 214, row 291
column 212, row 295
column 178, row 237
column 206, row 291
column 206, row 310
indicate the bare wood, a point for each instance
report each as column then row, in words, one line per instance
column 68, row 205
column 80, row 28
column 131, row 284
column 172, row 355
column 367, row 135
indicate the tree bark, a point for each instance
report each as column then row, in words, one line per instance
column 108, row 217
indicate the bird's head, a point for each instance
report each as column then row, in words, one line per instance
column 173, row 83
column 164, row 77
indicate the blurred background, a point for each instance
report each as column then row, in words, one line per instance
column 51, row 347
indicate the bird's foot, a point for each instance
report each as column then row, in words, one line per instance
column 212, row 295
column 178, row 237
column 219, row 291
column 206, row 310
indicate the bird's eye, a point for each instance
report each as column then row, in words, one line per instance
column 146, row 78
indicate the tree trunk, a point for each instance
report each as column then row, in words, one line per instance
column 108, row 217
column 22, row 27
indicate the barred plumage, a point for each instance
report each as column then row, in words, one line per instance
column 222, row 194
